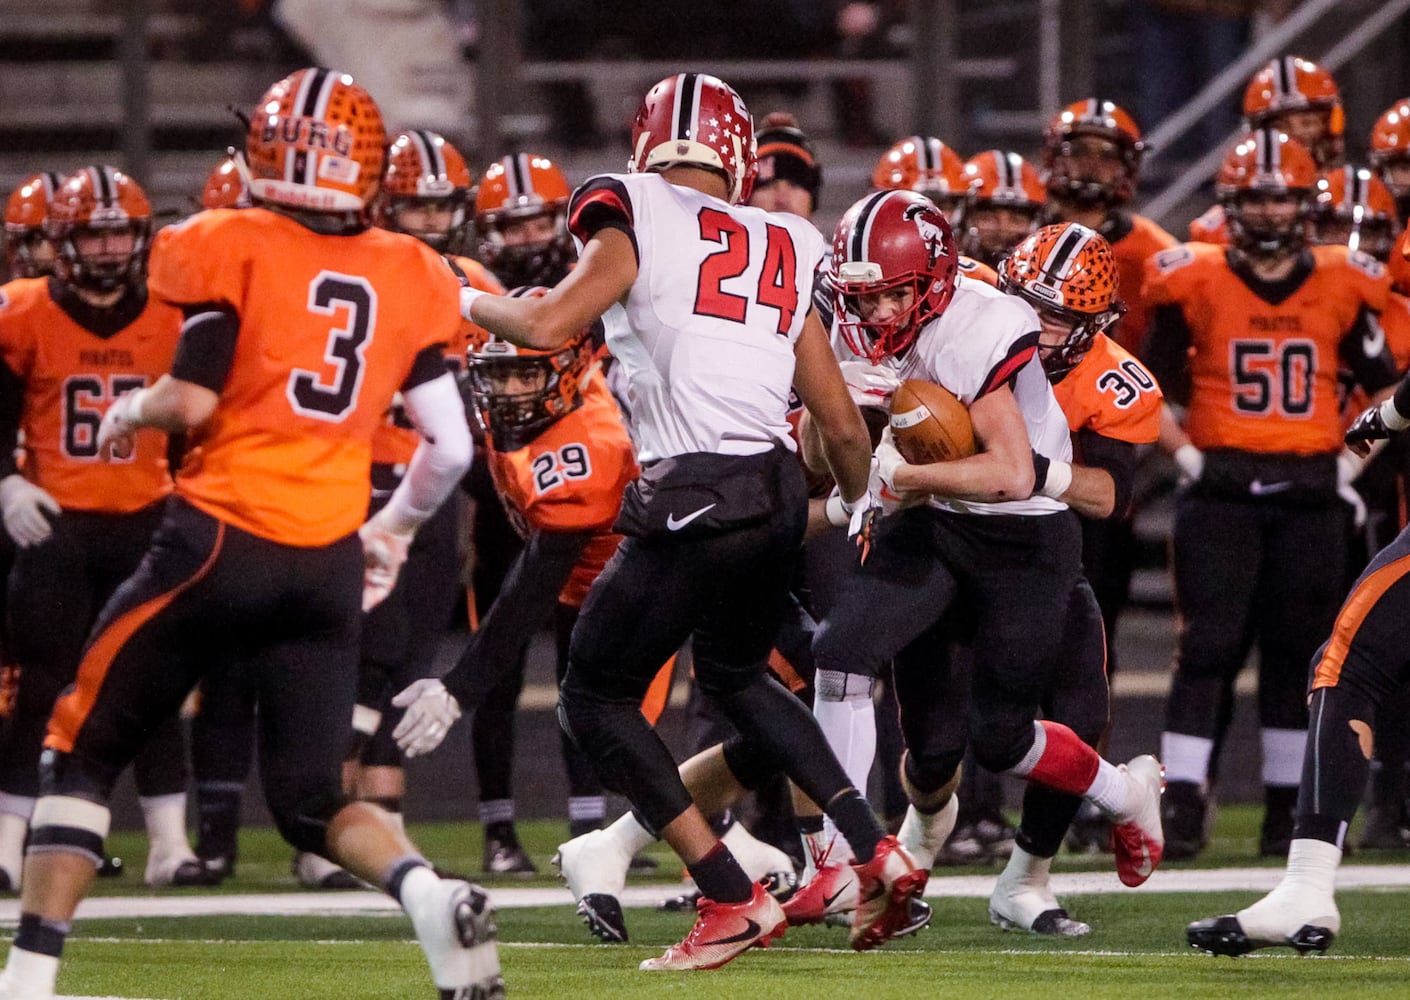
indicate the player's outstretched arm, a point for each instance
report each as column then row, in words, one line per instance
column 172, row 405
column 832, row 414
column 1381, row 420
column 604, row 274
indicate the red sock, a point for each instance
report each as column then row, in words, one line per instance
column 1059, row 759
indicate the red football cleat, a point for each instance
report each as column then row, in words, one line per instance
column 1139, row 842
column 723, row 931
column 832, row 889
column 885, row 887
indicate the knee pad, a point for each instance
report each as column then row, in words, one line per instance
column 930, row 780
column 69, row 824
column 751, row 766
column 380, row 750
column 304, row 823
column 918, row 782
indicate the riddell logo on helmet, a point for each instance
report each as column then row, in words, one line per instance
column 311, row 133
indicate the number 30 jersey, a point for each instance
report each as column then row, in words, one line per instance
column 330, row 327
column 71, row 372
column 705, row 335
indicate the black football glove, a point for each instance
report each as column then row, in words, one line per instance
column 1370, row 426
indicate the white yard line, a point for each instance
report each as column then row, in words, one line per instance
column 506, row 898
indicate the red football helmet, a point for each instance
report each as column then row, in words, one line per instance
column 1078, row 170
column 1266, row 165
column 1067, row 273
column 316, row 144
column 518, row 393
column 1291, row 84
column 25, row 212
column 425, row 172
column 927, row 165
column 891, row 240
column 696, row 119
column 228, row 184
column 521, row 220
column 1353, row 208
column 104, row 204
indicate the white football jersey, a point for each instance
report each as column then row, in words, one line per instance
column 983, row 339
column 705, row 336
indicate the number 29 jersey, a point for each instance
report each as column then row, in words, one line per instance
column 705, row 335
column 330, row 327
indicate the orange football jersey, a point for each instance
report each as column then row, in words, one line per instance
column 1132, row 250
column 1395, row 321
column 71, row 375
column 330, row 327
column 979, row 271
column 1264, row 374
column 1110, row 393
column 1211, row 227
column 395, row 441
column 571, row 478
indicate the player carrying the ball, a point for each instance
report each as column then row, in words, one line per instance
column 971, row 532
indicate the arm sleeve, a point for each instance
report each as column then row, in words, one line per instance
column 440, row 459
column 1373, row 370
column 602, row 203
column 1167, row 353
column 11, row 411
column 526, row 599
column 206, row 349
column 1117, row 459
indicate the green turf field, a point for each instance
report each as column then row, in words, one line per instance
column 1136, row 950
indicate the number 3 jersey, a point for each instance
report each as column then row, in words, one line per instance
column 73, row 361
column 330, row 327
column 1259, row 360
column 705, row 336
column 570, row 479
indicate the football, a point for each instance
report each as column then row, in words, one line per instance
column 929, row 424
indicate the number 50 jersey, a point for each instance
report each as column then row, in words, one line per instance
column 705, row 336
column 330, row 327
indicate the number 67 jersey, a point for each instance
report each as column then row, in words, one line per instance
column 705, row 336
column 330, row 327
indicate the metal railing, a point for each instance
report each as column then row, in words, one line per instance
column 1234, row 77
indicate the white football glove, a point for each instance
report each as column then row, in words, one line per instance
column 117, row 433
column 1191, row 463
column 430, row 712
column 869, row 384
column 28, row 510
column 1349, row 466
column 383, row 552
column 888, row 460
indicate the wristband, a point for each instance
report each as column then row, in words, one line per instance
column 1058, row 480
column 467, row 299
column 836, row 510
column 1392, row 417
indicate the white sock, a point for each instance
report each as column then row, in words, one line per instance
column 1186, row 758
column 629, row 835
column 1312, row 864
column 844, row 709
column 1282, row 756
column 165, row 819
column 416, row 885
column 833, row 839
column 1110, row 791
column 29, row 973
column 1027, row 869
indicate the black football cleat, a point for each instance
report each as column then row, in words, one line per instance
column 603, row 916
column 1225, row 936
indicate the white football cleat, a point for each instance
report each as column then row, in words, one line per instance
column 1023, row 900
column 316, row 872
column 758, row 859
column 455, row 925
column 175, row 868
column 595, row 868
column 922, row 835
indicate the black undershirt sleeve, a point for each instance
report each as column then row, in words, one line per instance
column 206, row 349
column 526, row 600
column 1118, row 459
column 430, row 364
column 11, row 411
column 1166, row 353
